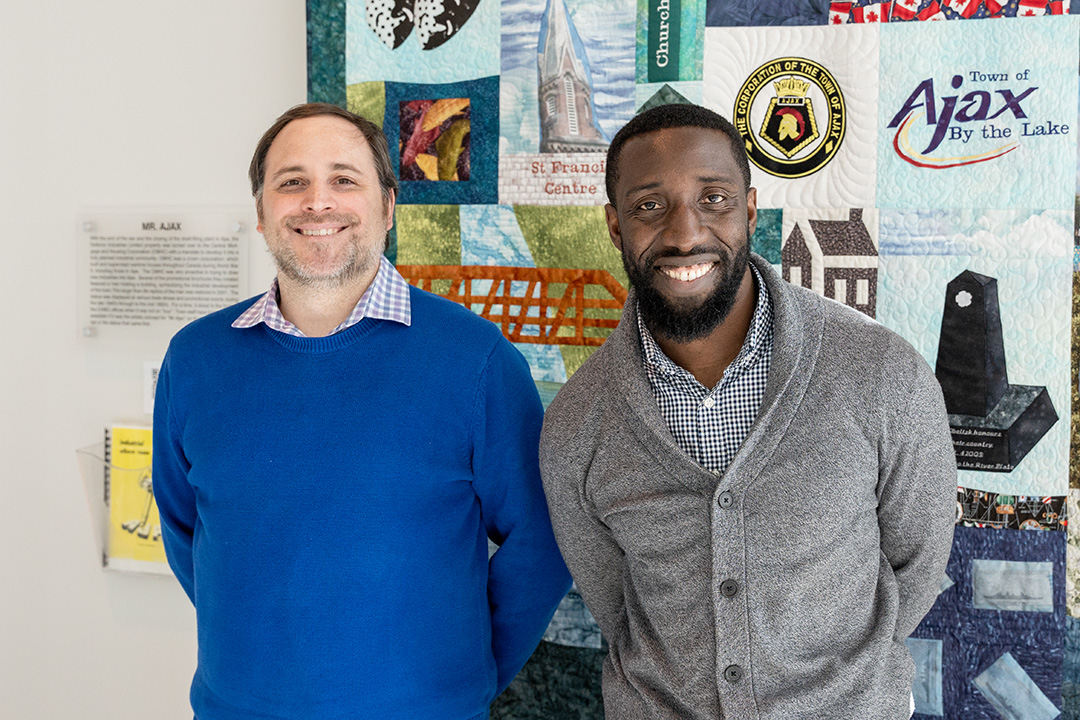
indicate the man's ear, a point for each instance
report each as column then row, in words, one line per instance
column 751, row 209
column 612, row 219
column 391, row 200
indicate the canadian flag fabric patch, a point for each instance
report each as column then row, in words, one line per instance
column 905, row 9
column 839, row 13
column 875, row 13
column 932, row 13
column 966, row 8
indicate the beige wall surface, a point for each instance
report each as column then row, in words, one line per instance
column 106, row 103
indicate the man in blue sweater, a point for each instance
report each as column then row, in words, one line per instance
column 331, row 459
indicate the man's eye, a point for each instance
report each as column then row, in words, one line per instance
column 714, row 198
column 345, row 181
column 292, row 182
column 648, row 205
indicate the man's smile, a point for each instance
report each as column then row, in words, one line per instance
column 688, row 267
column 687, row 273
column 319, row 232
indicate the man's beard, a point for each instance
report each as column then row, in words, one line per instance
column 356, row 261
column 689, row 318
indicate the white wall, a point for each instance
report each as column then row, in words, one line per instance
column 104, row 103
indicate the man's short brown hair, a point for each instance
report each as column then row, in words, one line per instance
column 376, row 140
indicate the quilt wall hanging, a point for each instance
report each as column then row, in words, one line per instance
column 916, row 160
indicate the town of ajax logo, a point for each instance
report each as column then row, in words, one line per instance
column 781, row 131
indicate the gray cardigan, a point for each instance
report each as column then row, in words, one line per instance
column 785, row 587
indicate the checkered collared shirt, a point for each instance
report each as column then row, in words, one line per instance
column 710, row 425
column 386, row 298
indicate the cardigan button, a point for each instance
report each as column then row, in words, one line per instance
column 725, row 500
column 733, row 674
column 729, row 587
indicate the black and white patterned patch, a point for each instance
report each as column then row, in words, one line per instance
column 439, row 20
column 390, row 20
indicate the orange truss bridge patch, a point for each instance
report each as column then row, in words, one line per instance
column 557, row 306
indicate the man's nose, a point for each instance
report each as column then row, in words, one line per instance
column 318, row 198
column 686, row 226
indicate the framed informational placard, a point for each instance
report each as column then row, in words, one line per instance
column 162, row 268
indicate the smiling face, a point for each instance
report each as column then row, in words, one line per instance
column 321, row 210
column 682, row 222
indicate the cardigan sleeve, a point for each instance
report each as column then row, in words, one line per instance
column 174, row 495
column 917, row 495
column 594, row 557
column 526, row 575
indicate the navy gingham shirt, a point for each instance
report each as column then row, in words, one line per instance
column 386, row 298
column 710, row 424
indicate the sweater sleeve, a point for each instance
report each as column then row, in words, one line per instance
column 917, row 495
column 172, row 492
column 526, row 575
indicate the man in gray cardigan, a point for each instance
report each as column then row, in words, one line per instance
column 753, row 486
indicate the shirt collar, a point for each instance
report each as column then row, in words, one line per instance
column 756, row 335
column 386, row 298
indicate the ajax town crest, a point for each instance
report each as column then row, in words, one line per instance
column 789, row 122
column 790, row 112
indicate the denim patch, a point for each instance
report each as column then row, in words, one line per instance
column 927, row 686
column 1013, row 693
column 1013, row 585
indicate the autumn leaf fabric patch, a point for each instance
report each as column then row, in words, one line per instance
column 435, row 139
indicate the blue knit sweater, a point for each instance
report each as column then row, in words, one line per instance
column 326, row 503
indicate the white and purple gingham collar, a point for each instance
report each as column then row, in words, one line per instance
column 386, row 298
